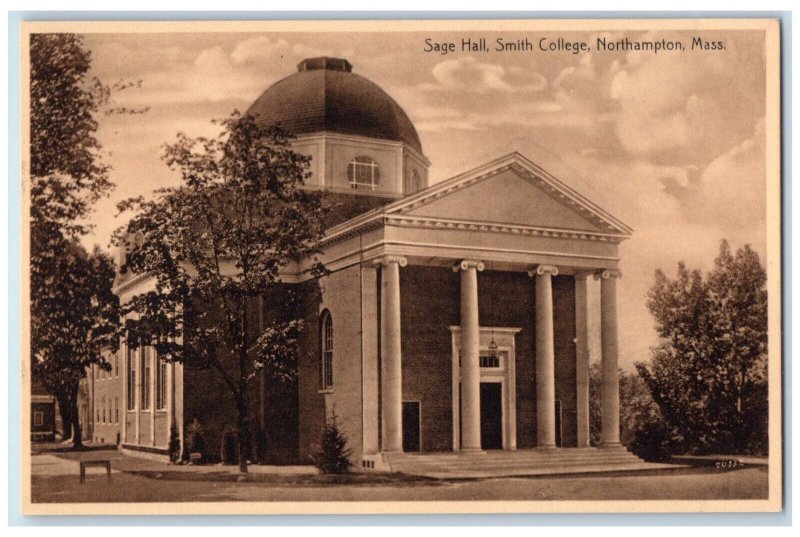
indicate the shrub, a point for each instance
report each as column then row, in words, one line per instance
column 333, row 456
column 229, row 446
column 195, row 442
column 653, row 442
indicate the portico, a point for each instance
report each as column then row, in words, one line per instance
column 482, row 300
column 470, row 344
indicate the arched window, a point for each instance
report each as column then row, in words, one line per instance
column 326, row 354
column 363, row 173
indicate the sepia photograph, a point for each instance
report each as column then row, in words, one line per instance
column 450, row 266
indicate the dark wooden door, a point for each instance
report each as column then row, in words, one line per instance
column 491, row 415
column 411, row 438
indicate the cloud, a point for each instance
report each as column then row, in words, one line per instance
column 267, row 50
column 218, row 73
column 471, row 75
column 678, row 108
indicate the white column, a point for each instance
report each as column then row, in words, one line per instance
column 170, row 400
column 609, row 360
column 582, row 357
column 153, row 358
column 391, row 355
column 470, row 356
column 369, row 358
column 545, row 357
column 124, row 377
column 137, row 401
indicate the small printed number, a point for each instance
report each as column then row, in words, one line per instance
column 727, row 465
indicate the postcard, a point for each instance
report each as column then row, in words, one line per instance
column 428, row 266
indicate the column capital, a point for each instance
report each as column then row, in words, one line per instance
column 468, row 264
column 389, row 259
column 608, row 273
column 542, row 269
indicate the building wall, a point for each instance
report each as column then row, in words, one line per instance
column 106, row 403
column 506, row 299
column 430, row 299
column 341, row 295
column 410, row 164
column 565, row 356
column 47, row 428
column 145, row 429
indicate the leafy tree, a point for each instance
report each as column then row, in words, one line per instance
column 67, row 172
column 642, row 427
column 77, row 322
column 67, row 175
column 213, row 246
column 708, row 375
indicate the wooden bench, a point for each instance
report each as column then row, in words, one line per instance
column 195, row 457
column 101, row 463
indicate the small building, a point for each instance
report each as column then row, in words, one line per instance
column 453, row 318
column 44, row 415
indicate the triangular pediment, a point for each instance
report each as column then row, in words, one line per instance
column 512, row 192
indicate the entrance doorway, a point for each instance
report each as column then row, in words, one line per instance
column 491, row 415
column 498, row 388
column 411, row 418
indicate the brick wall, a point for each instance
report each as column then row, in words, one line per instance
column 431, row 303
column 342, row 297
column 429, row 298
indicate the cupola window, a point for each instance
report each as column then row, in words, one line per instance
column 363, row 173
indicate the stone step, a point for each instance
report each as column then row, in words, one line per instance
column 521, row 456
column 521, row 462
column 510, row 455
column 529, row 462
column 532, row 459
column 510, row 465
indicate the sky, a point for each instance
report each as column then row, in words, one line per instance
column 672, row 144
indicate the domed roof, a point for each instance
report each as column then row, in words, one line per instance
column 325, row 95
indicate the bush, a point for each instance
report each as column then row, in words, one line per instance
column 653, row 442
column 229, row 446
column 195, row 442
column 333, row 456
column 174, row 444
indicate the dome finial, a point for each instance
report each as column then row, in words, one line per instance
column 325, row 62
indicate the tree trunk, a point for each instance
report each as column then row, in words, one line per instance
column 241, row 426
column 77, row 439
column 65, row 411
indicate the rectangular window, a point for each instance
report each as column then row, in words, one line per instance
column 38, row 418
column 146, row 375
column 104, row 412
column 131, row 356
column 116, row 365
column 161, row 384
column 490, row 361
column 116, row 410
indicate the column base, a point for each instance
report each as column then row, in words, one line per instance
column 471, row 450
column 611, row 445
column 547, row 447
